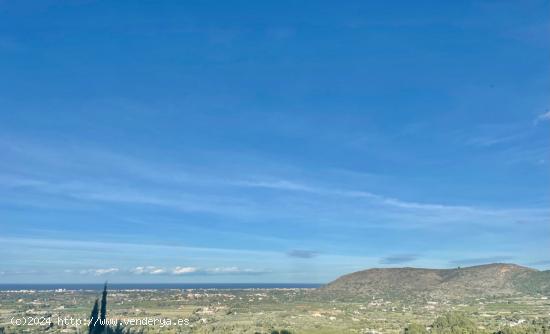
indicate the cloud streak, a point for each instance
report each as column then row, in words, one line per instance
column 184, row 270
column 202, row 207
column 302, row 253
column 148, row 270
column 187, row 270
column 99, row 272
column 398, row 259
column 427, row 208
column 543, row 117
column 174, row 189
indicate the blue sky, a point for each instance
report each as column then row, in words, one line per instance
column 283, row 141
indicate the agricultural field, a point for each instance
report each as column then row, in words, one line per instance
column 251, row 311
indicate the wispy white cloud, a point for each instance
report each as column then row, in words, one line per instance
column 117, row 246
column 233, row 270
column 151, row 270
column 543, row 117
column 492, row 140
column 178, row 199
column 491, row 135
column 184, row 270
column 276, row 184
column 380, row 199
column 20, row 272
column 384, row 206
column 99, row 272
column 175, row 194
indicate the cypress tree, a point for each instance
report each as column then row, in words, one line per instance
column 103, row 314
column 93, row 318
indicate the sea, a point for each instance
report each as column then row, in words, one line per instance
column 156, row 286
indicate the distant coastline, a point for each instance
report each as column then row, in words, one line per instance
column 154, row 286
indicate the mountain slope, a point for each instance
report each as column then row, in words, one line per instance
column 405, row 283
column 537, row 282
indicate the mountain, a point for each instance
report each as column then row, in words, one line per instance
column 497, row 279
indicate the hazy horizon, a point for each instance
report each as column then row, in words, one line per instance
column 266, row 142
column 99, row 281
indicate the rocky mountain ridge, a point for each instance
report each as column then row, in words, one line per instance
column 489, row 280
